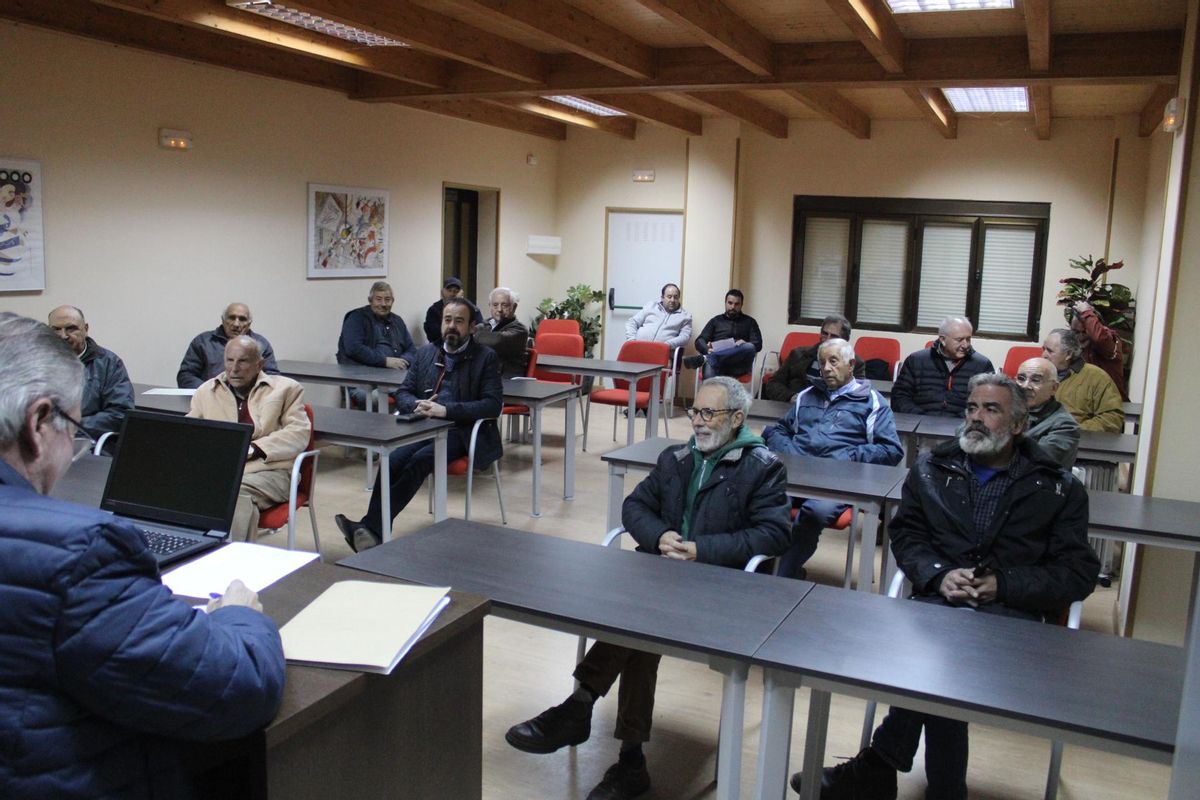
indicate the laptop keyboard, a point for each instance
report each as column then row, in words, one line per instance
column 164, row 544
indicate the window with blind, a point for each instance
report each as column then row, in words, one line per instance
column 904, row 265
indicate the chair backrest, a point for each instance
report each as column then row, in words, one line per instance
column 796, row 339
column 557, row 344
column 1017, row 355
column 644, row 353
column 883, row 348
column 531, row 366
column 557, row 326
column 306, row 469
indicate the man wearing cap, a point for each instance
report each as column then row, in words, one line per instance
column 451, row 287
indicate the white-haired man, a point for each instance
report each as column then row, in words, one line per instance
column 1085, row 389
column 934, row 380
column 1050, row 423
column 504, row 333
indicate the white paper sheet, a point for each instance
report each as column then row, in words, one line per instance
column 167, row 390
column 255, row 565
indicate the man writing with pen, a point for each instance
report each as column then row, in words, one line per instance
column 458, row 380
column 989, row 522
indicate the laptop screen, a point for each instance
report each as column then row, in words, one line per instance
column 177, row 470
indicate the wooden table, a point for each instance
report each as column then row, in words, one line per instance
column 1015, row 674
column 607, row 593
column 537, row 395
column 370, row 378
column 631, row 371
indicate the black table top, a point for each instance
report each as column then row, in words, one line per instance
column 1172, row 521
column 640, row 454
column 1097, row 444
column 596, row 366
column 524, row 390
column 341, row 373
column 696, row 607
column 1123, row 690
column 366, row 427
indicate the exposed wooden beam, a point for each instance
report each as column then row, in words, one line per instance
column 653, row 109
column 837, row 109
column 434, row 33
column 936, row 109
column 403, row 63
column 721, row 29
column 624, row 127
column 1037, row 31
column 575, row 30
column 1152, row 112
column 747, row 109
column 145, row 33
column 1039, row 99
column 489, row 114
column 872, row 22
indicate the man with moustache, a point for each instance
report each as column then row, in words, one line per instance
column 987, row 522
column 1050, row 423
column 737, row 330
column 375, row 337
column 934, row 380
column 458, row 380
column 205, row 356
column 719, row 499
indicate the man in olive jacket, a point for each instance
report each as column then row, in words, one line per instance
column 719, row 499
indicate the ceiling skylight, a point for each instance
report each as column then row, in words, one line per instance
column 312, row 22
column 917, row 6
column 579, row 104
column 1009, row 99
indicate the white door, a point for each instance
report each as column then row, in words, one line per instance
column 644, row 251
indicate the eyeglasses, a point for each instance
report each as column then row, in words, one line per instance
column 707, row 414
column 89, row 441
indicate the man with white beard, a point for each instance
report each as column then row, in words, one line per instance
column 990, row 522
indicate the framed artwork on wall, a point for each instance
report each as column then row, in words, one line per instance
column 347, row 232
column 22, row 250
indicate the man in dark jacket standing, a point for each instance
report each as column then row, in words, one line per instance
column 205, row 356
column 104, row 673
column 987, row 522
column 934, row 380
column 719, row 499
column 374, row 337
column 458, row 380
column 729, row 341
column 800, row 368
column 504, row 333
column 107, row 391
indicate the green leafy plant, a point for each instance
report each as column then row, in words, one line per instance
column 1113, row 302
column 583, row 304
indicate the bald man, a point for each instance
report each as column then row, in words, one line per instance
column 205, row 356
column 107, row 392
column 1050, row 423
column 244, row 392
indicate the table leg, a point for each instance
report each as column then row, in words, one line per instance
column 774, row 738
column 569, row 452
column 616, row 494
column 535, row 411
column 652, row 410
column 733, row 713
column 632, row 409
column 866, row 562
column 814, row 744
column 439, row 476
column 385, row 493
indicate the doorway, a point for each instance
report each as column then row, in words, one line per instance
column 470, row 222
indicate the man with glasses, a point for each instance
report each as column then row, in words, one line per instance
column 107, row 680
column 205, row 356
column 1050, row 423
column 719, row 499
column 841, row 417
column 107, row 391
column 800, row 367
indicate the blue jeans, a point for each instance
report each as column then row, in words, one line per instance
column 408, row 468
column 814, row 517
column 737, row 360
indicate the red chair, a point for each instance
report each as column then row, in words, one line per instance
column 557, row 344
column 790, row 342
column 556, row 326
column 642, row 353
column 882, row 348
column 1017, row 355
column 519, row 412
column 300, row 495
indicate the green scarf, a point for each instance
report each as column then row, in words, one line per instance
column 702, row 467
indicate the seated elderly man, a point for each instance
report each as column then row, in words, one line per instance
column 375, row 337
column 1051, row 425
column 664, row 320
column 719, row 499
column 504, row 333
column 274, row 405
column 1085, row 389
column 934, row 380
column 729, row 341
column 1033, row 563
column 205, row 356
column 107, row 391
column 800, row 367
column 107, row 680
column 839, row 417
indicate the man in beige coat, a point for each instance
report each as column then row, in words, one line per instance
column 274, row 405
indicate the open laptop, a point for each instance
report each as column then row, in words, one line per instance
column 176, row 479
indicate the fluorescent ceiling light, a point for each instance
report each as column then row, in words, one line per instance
column 312, row 22
column 916, row 6
column 579, row 104
column 1009, row 99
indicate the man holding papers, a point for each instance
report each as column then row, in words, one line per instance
column 104, row 674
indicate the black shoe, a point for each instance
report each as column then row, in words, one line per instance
column 357, row 535
column 621, row 781
column 569, row 723
column 864, row 777
column 347, row 528
column 693, row 362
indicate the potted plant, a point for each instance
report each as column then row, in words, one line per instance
column 1113, row 302
column 583, row 304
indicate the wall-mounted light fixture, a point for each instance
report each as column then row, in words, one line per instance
column 643, row 176
column 174, row 140
column 1173, row 114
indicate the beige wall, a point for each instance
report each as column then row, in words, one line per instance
column 152, row 244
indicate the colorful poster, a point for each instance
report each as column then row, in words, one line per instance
column 22, row 253
column 347, row 232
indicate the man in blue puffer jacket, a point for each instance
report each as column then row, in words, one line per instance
column 839, row 417
column 103, row 674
